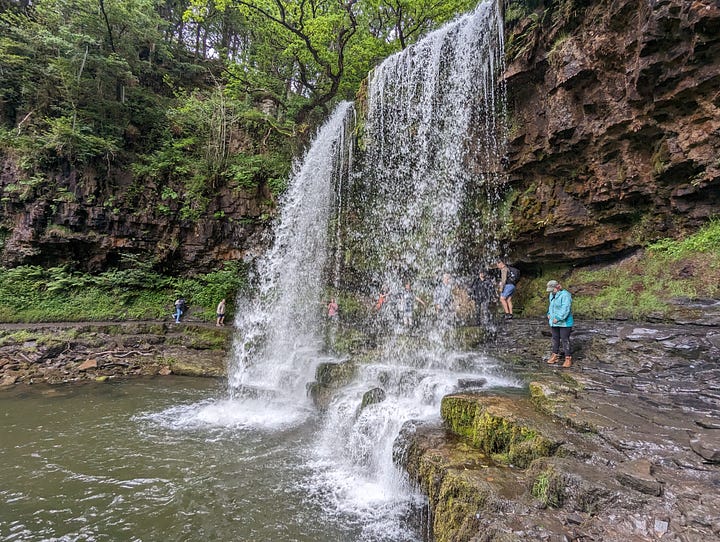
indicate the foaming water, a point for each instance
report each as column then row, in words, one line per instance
column 411, row 214
column 231, row 413
column 279, row 340
column 434, row 141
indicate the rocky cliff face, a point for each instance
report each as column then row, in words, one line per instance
column 614, row 131
column 90, row 218
column 614, row 126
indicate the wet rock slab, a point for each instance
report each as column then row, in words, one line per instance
column 636, row 430
column 60, row 353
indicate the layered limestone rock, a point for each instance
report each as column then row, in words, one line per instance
column 622, row 446
column 614, row 126
column 61, row 353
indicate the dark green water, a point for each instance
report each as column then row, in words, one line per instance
column 161, row 459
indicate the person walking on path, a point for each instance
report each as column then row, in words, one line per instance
column 561, row 322
column 508, row 278
column 180, row 307
column 220, row 313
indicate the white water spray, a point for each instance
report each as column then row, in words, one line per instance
column 434, row 140
column 279, row 341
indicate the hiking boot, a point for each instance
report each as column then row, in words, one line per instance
column 553, row 359
column 568, row 361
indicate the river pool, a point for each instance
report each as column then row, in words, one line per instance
column 175, row 459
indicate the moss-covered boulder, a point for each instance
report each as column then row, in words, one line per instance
column 328, row 378
column 373, row 396
column 507, row 428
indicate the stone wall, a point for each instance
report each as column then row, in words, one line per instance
column 614, row 126
column 91, row 217
column 614, row 129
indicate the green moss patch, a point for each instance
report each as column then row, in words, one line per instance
column 493, row 425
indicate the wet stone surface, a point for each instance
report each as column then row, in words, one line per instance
column 640, row 413
column 644, row 400
column 68, row 352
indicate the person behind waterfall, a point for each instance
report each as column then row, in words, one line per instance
column 332, row 310
column 561, row 322
column 220, row 313
column 408, row 305
column 508, row 278
column 382, row 299
column 482, row 290
column 442, row 297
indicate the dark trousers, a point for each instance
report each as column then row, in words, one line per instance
column 561, row 335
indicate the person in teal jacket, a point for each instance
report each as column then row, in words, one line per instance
column 560, row 319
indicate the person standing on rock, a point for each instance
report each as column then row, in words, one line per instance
column 220, row 313
column 560, row 319
column 508, row 278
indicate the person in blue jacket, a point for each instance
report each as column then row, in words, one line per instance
column 560, row 319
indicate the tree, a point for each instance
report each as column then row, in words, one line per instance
column 312, row 36
column 406, row 20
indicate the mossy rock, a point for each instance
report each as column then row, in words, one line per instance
column 459, row 500
column 556, row 398
column 328, row 378
column 373, row 396
column 507, row 428
column 465, row 488
column 335, row 374
column 208, row 364
column 472, row 337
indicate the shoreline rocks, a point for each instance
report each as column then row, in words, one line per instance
column 68, row 352
column 635, row 433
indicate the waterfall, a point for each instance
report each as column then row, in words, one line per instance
column 424, row 199
column 279, row 341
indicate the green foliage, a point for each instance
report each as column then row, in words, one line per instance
column 707, row 240
column 641, row 287
column 548, row 488
column 35, row 294
column 68, row 139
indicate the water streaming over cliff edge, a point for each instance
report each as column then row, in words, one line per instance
column 425, row 214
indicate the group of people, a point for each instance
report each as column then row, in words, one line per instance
column 181, row 308
column 484, row 290
column 559, row 313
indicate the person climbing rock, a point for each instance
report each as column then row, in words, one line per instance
column 561, row 322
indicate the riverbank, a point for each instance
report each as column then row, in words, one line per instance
column 624, row 445
column 55, row 353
